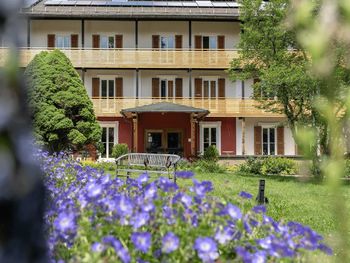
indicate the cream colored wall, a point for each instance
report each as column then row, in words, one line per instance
column 125, row 28
column 230, row 30
column 166, row 28
column 41, row 28
column 129, row 80
column 230, row 87
column 289, row 144
column 145, row 85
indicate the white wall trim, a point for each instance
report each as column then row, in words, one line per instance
column 210, row 124
column 111, row 124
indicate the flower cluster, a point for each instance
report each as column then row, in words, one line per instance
column 93, row 216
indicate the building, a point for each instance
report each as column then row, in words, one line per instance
column 155, row 71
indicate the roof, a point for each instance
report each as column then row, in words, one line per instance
column 164, row 107
column 132, row 9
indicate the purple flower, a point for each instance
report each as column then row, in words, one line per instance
column 325, row 249
column 119, row 249
column 184, row 174
column 140, row 219
column 65, row 222
column 124, row 206
column 206, row 249
column 233, row 211
column 245, row 195
column 201, row 188
column 142, row 241
column 259, row 209
column 223, row 235
column 93, row 190
column 97, row 247
column 170, row 242
column 150, row 191
column 143, row 178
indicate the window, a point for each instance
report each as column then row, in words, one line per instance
column 63, row 41
column 109, row 138
column 167, row 42
column 210, row 134
column 167, row 88
column 269, row 141
column 209, row 89
column 209, row 42
column 107, row 42
column 107, row 88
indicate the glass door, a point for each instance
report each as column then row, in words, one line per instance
column 154, row 142
column 174, row 142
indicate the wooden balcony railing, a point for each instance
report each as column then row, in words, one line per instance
column 226, row 107
column 135, row 58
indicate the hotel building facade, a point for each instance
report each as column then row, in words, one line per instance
column 156, row 74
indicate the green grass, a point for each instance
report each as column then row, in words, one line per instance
column 289, row 198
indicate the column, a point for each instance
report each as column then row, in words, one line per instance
column 190, row 34
column 82, row 33
column 29, row 21
column 135, row 132
column 136, row 34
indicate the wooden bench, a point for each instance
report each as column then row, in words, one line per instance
column 150, row 162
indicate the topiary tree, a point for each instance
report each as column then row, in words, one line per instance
column 62, row 113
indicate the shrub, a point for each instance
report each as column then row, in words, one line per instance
column 347, row 168
column 119, row 150
column 211, row 154
column 269, row 166
column 92, row 217
column 104, row 166
column 206, row 166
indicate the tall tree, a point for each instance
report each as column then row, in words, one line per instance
column 63, row 115
column 269, row 53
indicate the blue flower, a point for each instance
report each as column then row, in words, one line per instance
column 142, row 241
column 245, row 195
column 223, row 235
column 93, row 190
column 119, row 249
column 206, row 249
column 202, row 188
column 325, row 249
column 233, row 211
column 124, row 206
column 184, row 174
column 170, row 242
column 97, row 247
column 143, row 178
column 140, row 219
column 65, row 222
column 259, row 209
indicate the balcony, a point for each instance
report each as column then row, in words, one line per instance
column 136, row 58
column 226, row 107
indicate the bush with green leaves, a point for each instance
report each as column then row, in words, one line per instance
column 269, row 166
column 206, row 166
column 62, row 112
column 119, row 150
column 211, row 154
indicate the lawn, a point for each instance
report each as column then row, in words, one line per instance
column 289, row 198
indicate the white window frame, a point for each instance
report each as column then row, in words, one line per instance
column 107, row 79
column 209, row 92
column 211, row 124
column 107, row 36
column 210, row 36
column 114, row 125
column 268, row 126
column 57, row 36
column 166, row 78
column 167, row 36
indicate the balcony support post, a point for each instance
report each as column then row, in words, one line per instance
column 137, row 83
column 190, row 83
column 193, row 133
column 82, row 33
column 135, row 132
column 136, row 34
column 190, row 34
column 29, row 22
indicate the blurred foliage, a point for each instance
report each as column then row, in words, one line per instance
column 211, row 154
column 62, row 112
column 119, row 150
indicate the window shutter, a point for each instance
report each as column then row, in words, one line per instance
column 221, row 42
column 221, row 83
column 95, row 41
column 119, row 87
column 155, row 41
column 170, row 89
column 51, row 41
column 280, row 140
column 178, row 41
column 257, row 140
column 118, row 41
column 95, row 87
column 74, row 40
column 198, row 42
column 198, row 87
column 155, row 87
column 178, row 88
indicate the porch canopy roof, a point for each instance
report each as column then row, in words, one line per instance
column 165, row 107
